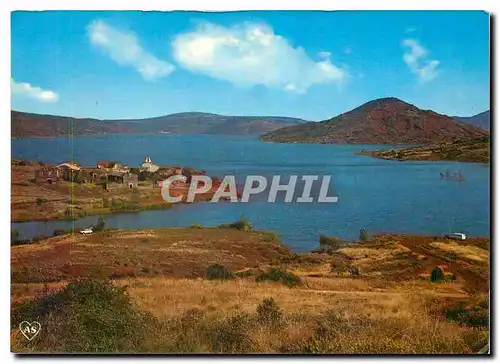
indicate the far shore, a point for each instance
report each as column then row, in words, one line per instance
column 475, row 151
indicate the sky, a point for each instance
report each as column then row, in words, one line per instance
column 311, row 65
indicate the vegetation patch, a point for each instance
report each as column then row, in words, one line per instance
column 474, row 314
column 241, row 224
column 276, row 275
column 218, row 271
column 87, row 316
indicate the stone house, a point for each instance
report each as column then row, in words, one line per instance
column 47, row 174
column 120, row 180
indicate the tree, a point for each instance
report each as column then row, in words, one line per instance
column 100, row 224
column 363, row 235
column 14, row 234
column 437, row 275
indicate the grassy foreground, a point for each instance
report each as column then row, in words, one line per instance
column 223, row 290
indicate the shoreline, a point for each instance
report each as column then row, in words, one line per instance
column 474, row 151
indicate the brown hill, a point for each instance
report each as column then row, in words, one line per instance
column 35, row 125
column 381, row 121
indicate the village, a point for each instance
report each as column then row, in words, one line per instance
column 42, row 191
column 110, row 174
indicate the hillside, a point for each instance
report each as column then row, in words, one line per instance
column 35, row 125
column 381, row 121
column 481, row 120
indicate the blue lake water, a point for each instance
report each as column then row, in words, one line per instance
column 378, row 195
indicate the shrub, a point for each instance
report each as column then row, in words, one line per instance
column 276, row 275
column 87, row 316
column 474, row 316
column 241, row 224
column 339, row 264
column 244, row 274
column 100, row 224
column 218, row 271
column 269, row 313
column 105, row 203
column 329, row 243
column 363, row 235
column 58, row 232
column 437, row 275
column 272, row 237
column 196, row 226
column 14, row 235
column 232, row 335
column 354, row 272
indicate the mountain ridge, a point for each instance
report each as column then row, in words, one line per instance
column 381, row 121
column 481, row 120
column 43, row 125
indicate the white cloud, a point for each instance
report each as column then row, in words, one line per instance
column 33, row 92
column 324, row 54
column 417, row 60
column 251, row 54
column 123, row 47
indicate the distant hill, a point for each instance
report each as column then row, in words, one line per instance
column 381, row 121
column 481, row 120
column 35, row 125
column 204, row 123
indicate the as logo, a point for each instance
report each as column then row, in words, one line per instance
column 30, row 330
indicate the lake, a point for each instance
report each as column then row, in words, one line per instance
column 375, row 194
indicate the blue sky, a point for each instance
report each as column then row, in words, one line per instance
column 312, row 65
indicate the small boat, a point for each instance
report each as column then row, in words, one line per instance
column 453, row 176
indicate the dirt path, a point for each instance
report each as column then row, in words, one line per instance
column 371, row 293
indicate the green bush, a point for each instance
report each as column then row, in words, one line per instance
column 14, row 235
column 40, row 201
column 196, row 226
column 474, row 316
column 363, row 235
column 242, row 224
column 276, row 275
column 269, row 313
column 100, row 224
column 218, row 271
column 272, row 237
column 330, row 243
column 58, row 232
column 87, row 316
column 232, row 335
column 354, row 272
column 437, row 275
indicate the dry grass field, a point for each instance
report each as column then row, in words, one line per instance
column 160, row 282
